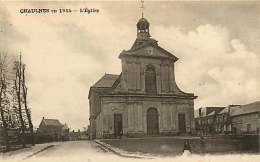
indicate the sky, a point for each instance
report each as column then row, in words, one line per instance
column 217, row 43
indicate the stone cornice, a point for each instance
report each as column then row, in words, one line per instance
column 191, row 96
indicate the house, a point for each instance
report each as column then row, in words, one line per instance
column 245, row 119
column 65, row 132
column 53, row 129
column 223, row 120
column 233, row 119
column 144, row 99
column 206, row 119
column 75, row 135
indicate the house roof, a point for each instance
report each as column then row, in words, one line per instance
column 207, row 111
column 52, row 122
column 212, row 113
column 245, row 109
column 225, row 110
column 106, row 81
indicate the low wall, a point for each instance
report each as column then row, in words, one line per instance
column 174, row 145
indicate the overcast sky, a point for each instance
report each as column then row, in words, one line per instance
column 217, row 43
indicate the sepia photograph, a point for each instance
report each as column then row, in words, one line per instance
column 136, row 80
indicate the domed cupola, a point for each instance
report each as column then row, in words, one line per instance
column 142, row 24
column 143, row 28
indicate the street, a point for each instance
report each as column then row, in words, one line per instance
column 89, row 151
column 64, row 151
column 73, row 148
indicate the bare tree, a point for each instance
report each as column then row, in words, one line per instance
column 18, row 83
column 3, row 88
column 14, row 110
column 27, row 110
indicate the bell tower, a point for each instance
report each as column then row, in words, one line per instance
column 143, row 29
column 143, row 25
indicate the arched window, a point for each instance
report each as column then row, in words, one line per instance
column 150, row 79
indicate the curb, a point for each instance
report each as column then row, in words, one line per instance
column 107, row 147
column 35, row 153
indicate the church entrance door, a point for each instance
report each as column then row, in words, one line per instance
column 118, row 125
column 152, row 122
column 182, row 123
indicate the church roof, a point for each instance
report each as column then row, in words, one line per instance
column 147, row 48
column 106, row 81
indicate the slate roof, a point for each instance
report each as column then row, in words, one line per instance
column 207, row 111
column 106, row 81
column 212, row 113
column 225, row 110
column 245, row 109
column 52, row 122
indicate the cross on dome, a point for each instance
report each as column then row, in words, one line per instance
column 142, row 7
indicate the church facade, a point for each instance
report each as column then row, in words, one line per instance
column 144, row 100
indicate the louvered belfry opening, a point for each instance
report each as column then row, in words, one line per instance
column 150, row 80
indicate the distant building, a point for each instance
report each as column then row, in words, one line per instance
column 205, row 119
column 245, row 119
column 223, row 121
column 53, row 128
column 233, row 119
column 144, row 100
column 75, row 135
column 65, row 132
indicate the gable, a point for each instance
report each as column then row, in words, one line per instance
column 150, row 51
column 148, row 48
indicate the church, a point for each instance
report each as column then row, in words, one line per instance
column 144, row 99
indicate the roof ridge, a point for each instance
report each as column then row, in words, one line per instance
column 49, row 119
column 111, row 74
column 256, row 102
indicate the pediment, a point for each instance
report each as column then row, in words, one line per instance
column 151, row 51
column 148, row 49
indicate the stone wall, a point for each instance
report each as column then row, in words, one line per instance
column 134, row 113
column 133, row 75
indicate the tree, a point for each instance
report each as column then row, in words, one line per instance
column 21, row 98
column 17, row 83
column 14, row 110
column 28, row 112
column 3, row 87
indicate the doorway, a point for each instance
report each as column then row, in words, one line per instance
column 152, row 122
column 118, row 125
column 182, row 123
